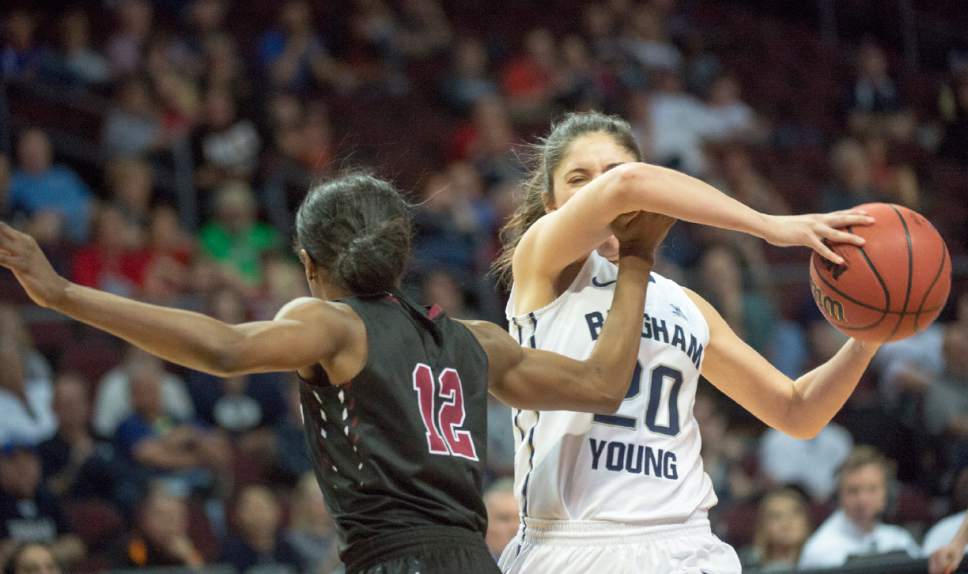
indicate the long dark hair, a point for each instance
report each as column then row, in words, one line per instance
column 358, row 227
column 539, row 186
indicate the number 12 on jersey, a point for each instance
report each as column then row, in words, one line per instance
column 444, row 436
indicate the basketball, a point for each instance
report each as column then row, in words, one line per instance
column 892, row 287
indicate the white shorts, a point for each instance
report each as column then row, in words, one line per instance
column 575, row 547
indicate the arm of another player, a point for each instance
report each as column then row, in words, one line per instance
column 945, row 560
column 535, row 379
column 304, row 332
column 800, row 408
column 564, row 235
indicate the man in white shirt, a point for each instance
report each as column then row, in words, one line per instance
column 811, row 463
column 855, row 528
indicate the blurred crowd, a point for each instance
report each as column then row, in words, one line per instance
column 110, row 458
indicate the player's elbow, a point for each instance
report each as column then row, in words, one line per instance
column 633, row 184
column 800, row 427
column 604, row 398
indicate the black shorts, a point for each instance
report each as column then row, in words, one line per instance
column 425, row 550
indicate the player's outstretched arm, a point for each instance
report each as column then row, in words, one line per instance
column 800, row 408
column 566, row 234
column 945, row 560
column 535, row 379
column 304, row 332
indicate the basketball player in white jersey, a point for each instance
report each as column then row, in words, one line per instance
column 626, row 492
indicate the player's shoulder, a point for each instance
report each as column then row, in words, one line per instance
column 318, row 311
column 485, row 332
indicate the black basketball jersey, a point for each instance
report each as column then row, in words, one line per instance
column 402, row 445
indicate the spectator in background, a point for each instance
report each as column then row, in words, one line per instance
column 469, row 78
column 33, row 558
column 293, row 56
column 503, row 515
column 205, row 20
column 811, row 464
column 178, row 103
column 225, row 69
column 646, row 39
column 678, row 125
column 259, row 545
column 528, row 80
column 114, row 261
column 4, row 186
column 945, row 409
column 20, row 57
column 226, row 146
column 737, row 176
column 156, row 446
column 235, row 238
column 126, row 46
column 782, row 527
column 487, row 142
column 727, row 115
column 423, row 30
column 25, row 396
column 130, row 183
column 290, row 455
column 132, row 127
column 311, row 531
column 579, row 83
column 75, row 62
column 39, row 187
column 75, row 464
column 161, row 537
column 874, row 102
column 855, row 529
column 852, row 184
column 439, row 288
column 170, row 254
column 447, row 232
column 28, row 512
column 114, row 396
column 953, row 109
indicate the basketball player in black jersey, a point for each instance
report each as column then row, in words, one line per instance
column 393, row 396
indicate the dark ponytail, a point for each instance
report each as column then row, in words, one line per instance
column 358, row 227
column 538, row 189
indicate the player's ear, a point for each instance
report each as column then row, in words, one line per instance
column 309, row 265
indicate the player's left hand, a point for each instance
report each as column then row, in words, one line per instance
column 813, row 229
column 945, row 560
column 20, row 254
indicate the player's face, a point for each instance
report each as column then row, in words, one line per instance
column 863, row 495
column 786, row 522
column 588, row 157
column 502, row 520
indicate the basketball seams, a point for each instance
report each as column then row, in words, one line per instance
column 887, row 295
column 907, row 295
column 944, row 257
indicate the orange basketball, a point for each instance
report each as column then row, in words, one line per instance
column 893, row 286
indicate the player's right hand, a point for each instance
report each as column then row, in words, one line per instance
column 20, row 254
column 640, row 233
column 945, row 560
column 815, row 229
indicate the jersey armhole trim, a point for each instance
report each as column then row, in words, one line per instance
column 559, row 300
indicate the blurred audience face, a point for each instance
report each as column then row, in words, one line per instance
column 163, row 518
column 851, row 165
column 34, row 151
column 114, row 232
column 235, row 207
column 145, row 382
column 502, row 519
column 134, row 98
column 296, row 17
column 134, row 17
column 308, row 509
column 719, row 269
column 219, row 108
column 470, row 58
column 863, row 495
column 131, row 184
column 35, row 559
column 71, row 402
column 258, row 514
column 441, row 289
column 782, row 523
column 227, row 305
column 166, row 232
column 871, row 62
column 956, row 351
column 20, row 30
column 207, row 15
column 74, row 31
column 20, row 472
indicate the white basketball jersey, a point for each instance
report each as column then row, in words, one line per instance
column 642, row 464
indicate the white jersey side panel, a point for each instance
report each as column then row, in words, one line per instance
column 642, row 464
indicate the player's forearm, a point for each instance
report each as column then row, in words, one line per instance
column 821, row 393
column 182, row 337
column 669, row 192
column 613, row 358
